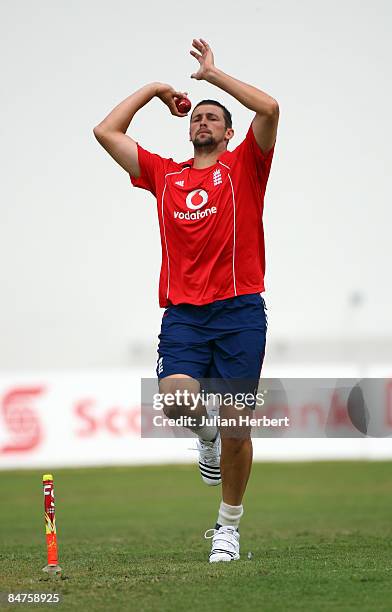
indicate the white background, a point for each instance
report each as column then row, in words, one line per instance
column 79, row 248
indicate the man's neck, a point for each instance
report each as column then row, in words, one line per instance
column 205, row 157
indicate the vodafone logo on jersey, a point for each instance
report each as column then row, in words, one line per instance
column 195, row 201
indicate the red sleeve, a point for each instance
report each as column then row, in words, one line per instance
column 151, row 166
column 254, row 158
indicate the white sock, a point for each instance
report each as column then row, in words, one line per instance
column 229, row 515
column 207, row 433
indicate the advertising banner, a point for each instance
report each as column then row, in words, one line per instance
column 98, row 417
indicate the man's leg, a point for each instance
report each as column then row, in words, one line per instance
column 208, row 443
column 237, row 363
column 187, row 388
column 185, row 354
column 236, row 463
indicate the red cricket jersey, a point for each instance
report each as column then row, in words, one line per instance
column 211, row 223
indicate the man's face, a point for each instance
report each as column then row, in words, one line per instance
column 207, row 127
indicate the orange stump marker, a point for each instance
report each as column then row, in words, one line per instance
column 50, row 526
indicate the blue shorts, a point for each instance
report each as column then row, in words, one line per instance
column 221, row 340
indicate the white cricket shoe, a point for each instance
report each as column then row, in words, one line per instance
column 209, row 461
column 225, row 544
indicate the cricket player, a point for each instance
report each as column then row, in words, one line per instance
column 210, row 211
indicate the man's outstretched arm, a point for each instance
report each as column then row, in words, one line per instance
column 111, row 132
column 265, row 124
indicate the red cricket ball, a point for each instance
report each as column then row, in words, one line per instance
column 183, row 105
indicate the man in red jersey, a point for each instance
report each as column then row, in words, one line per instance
column 210, row 211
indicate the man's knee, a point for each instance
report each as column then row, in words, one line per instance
column 172, row 412
column 177, row 393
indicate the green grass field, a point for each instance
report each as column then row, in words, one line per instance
column 132, row 539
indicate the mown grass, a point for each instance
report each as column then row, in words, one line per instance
column 132, row 539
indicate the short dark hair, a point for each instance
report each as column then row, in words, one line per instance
column 226, row 113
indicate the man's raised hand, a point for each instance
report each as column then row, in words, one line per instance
column 168, row 95
column 205, row 58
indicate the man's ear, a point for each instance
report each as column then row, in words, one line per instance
column 229, row 134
